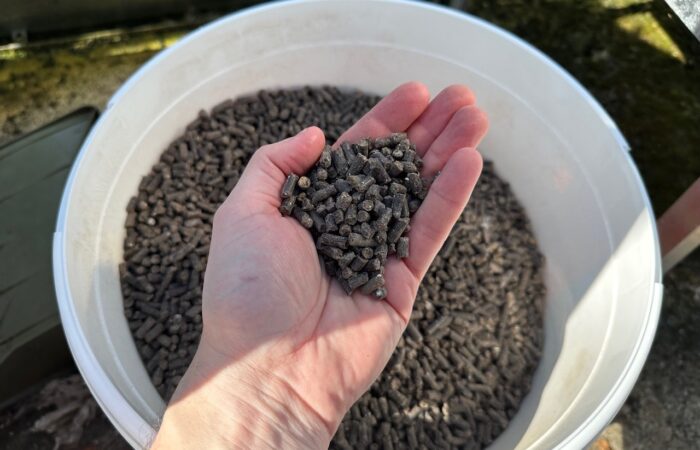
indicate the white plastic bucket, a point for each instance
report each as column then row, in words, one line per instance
column 565, row 159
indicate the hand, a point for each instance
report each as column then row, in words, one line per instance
column 284, row 351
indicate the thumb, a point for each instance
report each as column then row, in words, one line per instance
column 261, row 182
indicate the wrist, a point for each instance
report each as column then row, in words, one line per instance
column 220, row 405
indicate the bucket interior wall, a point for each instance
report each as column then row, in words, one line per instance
column 564, row 158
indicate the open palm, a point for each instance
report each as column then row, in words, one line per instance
column 267, row 302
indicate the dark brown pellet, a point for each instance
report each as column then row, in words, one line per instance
column 351, row 215
column 357, row 164
column 304, row 183
column 378, row 172
column 346, row 273
column 325, row 161
column 289, row 185
column 381, row 252
column 340, row 164
column 287, row 206
column 373, row 265
column 153, row 332
column 358, row 280
column 382, row 222
column 402, row 247
column 319, row 223
column 358, row 240
column 367, row 205
column 323, row 194
column 360, row 182
column 363, row 216
column 397, row 204
column 145, row 327
column 333, row 240
column 397, row 230
column 343, row 201
column 366, row 230
column 331, row 252
column 358, row 263
column 303, row 217
column 413, row 183
column 410, row 167
column 342, row 185
column 346, row 259
column 375, row 283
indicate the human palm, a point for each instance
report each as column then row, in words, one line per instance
column 268, row 305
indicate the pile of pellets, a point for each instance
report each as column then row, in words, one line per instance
column 468, row 355
column 467, row 358
column 357, row 201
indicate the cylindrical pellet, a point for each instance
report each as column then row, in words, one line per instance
column 289, row 185
column 373, row 284
column 402, row 247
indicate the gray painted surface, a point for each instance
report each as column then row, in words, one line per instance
column 33, row 170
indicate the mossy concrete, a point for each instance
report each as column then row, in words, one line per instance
column 42, row 82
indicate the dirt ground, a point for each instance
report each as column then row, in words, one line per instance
column 663, row 410
column 634, row 55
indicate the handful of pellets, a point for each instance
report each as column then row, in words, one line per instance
column 357, row 201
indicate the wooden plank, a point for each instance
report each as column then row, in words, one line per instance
column 679, row 227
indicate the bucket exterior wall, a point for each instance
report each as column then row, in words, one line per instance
column 562, row 154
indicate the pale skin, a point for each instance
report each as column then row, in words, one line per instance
column 284, row 351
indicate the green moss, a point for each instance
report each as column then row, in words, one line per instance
column 41, row 82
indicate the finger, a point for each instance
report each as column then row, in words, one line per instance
column 438, row 113
column 394, row 113
column 267, row 170
column 431, row 225
column 466, row 128
column 402, row 286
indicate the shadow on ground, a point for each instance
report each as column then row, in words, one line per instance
column 664, row 408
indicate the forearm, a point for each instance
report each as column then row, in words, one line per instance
column 226, row 408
